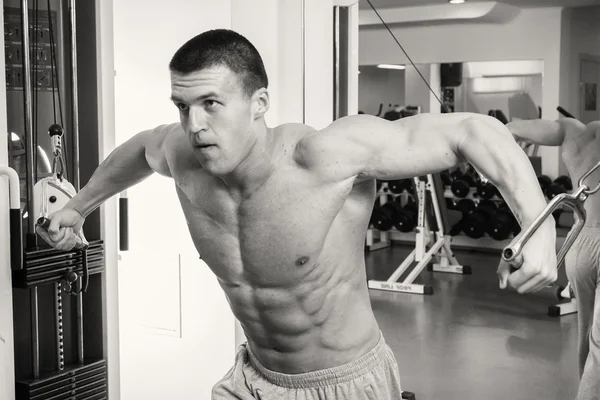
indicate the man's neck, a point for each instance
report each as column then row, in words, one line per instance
column 256, row 168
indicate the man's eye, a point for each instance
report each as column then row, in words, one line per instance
column 182, row 106
column 210, row 103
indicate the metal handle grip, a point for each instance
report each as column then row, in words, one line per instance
column 44, row 222
column 123, row 224
column 572, row 201
column 564, row 112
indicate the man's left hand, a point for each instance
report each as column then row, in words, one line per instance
column 535, row 267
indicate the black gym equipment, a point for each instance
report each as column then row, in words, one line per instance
column 545, row 182
column 502, row 224
column 465, row 206
column 485, row 191
column 382, row 218
column 400, row 185
column 476, row 223
column 561, row 185
column 461, row 184
column 406, row 218
column 393, row 214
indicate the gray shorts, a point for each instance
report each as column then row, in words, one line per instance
column 374, row 376
column 583, row 270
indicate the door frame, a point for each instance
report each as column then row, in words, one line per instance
column 580, row 98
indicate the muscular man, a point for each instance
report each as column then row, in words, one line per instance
column 279, row 214
column 580, row 152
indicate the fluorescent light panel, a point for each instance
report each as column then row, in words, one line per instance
column 391, row 66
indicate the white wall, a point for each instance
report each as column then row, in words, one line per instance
column 176, row 328
column 417, row 93
column 7, row 373
column 197, row 344
column 533, row 34
column 376, row 86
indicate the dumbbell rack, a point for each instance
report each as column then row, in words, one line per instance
column 486, row 242
column 428, row 233
column 378, row 239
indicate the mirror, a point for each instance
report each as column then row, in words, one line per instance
column 507, row 90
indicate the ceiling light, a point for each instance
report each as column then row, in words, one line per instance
column 391, row 66
column 456, row 1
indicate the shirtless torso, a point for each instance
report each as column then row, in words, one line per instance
column 289, row 257
column 580, row 153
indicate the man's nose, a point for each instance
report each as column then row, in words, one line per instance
column 196, row 121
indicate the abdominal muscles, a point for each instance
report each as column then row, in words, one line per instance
column 319, row 319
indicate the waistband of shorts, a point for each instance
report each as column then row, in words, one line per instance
column 324, row 377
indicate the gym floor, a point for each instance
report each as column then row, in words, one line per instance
column 472, row 341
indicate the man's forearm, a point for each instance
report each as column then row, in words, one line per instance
column 539, row 131
column 123, row 168
column 491, row 149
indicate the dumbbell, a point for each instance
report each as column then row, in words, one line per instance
column 375, row 213
column 485, row 191
column 502, row 223
column 387, row 215
column 407, row 218
column 400, row 185
column 545, row 182
column 565, row 181
column 475, row 224
column 562, row 184
column 461, row 185
column 465, row 206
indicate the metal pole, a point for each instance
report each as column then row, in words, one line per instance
column 336, row 63
column 303, row 62
column 33, row 293
column 28, row 114
column 75, row 138
column 74, row 96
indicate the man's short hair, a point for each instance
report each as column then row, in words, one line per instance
column 222, row 47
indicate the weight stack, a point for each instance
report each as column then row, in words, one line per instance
column 46, row 266
column 66, row 329
column 84, row 382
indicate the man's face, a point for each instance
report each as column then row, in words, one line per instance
column 216, row 116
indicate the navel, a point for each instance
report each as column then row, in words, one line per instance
column 302, row 260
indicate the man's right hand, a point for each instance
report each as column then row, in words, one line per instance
column 65, row 225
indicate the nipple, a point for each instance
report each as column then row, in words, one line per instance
column 302, row 260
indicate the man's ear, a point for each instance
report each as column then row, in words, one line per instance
column 260, row 103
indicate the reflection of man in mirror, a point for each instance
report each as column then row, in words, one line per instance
column 580, row 153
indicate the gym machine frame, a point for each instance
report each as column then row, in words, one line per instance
column 429, row 232
column 33, row 267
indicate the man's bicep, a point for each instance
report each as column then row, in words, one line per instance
column 415, row 147
column 370, row 147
